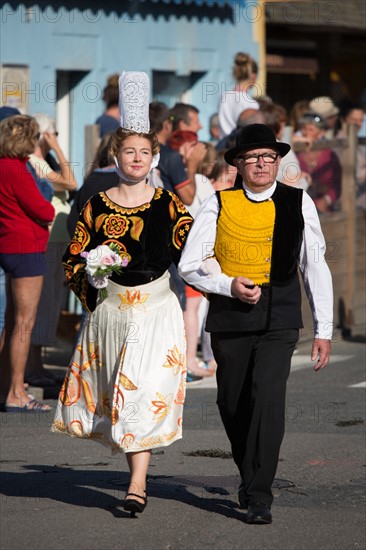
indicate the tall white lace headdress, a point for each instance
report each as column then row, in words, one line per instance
column 134, row 94
column 134, row 97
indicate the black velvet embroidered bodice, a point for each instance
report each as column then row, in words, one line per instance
column 150, row 236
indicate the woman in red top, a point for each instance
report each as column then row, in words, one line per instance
column 24, row 219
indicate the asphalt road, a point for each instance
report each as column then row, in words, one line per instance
column 61, row 493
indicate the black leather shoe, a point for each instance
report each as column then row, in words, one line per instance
column 132, row 505
column 258, row 513
column 243, row 501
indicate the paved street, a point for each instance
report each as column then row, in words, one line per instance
column 58, row 492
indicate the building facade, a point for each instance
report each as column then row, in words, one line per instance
column 56, row 56
column 316, row 49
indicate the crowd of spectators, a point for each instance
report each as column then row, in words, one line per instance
column 189, row 167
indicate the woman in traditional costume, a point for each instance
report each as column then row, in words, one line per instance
column 125, row 385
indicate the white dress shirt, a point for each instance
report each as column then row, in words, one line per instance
column 200, row 269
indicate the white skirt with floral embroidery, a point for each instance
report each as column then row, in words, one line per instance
column 125, row 386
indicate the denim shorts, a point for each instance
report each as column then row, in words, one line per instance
column 24, row 265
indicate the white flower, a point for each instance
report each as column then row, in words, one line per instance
column 95, row 257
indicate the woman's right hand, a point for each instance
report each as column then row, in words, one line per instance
column 97, row 282
column 64, row 180
column 195, row 152
column 51, row 140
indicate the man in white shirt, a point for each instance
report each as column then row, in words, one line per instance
column 244, row 250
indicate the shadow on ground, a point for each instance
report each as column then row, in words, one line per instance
column 106, row 489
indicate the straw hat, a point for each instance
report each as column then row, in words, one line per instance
column 324, row 106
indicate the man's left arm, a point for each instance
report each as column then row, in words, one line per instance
column 317, row 283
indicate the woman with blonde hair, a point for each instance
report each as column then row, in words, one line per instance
column 24, row 219
column 234, row 102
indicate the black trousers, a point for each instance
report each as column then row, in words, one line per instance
column 252, row 373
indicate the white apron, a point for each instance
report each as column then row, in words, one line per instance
column 125, row 386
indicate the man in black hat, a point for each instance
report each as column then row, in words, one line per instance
column 244, row 250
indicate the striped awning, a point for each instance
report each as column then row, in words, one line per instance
column 202, row 2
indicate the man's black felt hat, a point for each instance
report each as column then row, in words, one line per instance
column 255, row 136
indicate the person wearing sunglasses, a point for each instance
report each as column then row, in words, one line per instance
column 57, row 171
column 244, row 250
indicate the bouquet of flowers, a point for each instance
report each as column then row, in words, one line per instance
column 101, row 263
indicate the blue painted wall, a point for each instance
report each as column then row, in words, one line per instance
column 153, row 36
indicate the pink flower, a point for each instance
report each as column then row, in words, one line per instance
column 108, row 260
column 101, row 263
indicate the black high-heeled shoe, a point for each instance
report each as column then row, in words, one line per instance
column 132, row 505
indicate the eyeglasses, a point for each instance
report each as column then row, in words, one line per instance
column 37, row 136
column 253, row 158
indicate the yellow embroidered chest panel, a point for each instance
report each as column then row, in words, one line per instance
column 244, row 236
